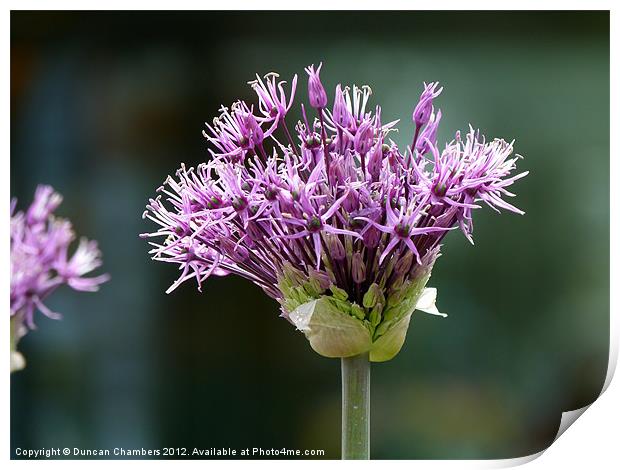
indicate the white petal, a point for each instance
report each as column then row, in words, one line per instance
column 426, row 302
column 301, row 316
column 17, row 361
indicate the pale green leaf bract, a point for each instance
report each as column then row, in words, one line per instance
column 331, row 333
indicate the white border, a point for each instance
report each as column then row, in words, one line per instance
column 592, row 442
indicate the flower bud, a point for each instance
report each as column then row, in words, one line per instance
column 371, row 237
column 336, row 171
column 335, row 247
column 341, row 114
column 321, row 278
column 358, row 268
column 316, row 91
column 357, row 311
column 373, row 296
column 375, row 315
column 363, row 137
column 424, row 108
column 404, row 263
column 313, row 288
column 292, row 275
column 352, row 201
column 338, row 293
column 375, row 162
column 429, row 134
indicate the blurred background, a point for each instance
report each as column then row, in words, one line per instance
column 104, row 105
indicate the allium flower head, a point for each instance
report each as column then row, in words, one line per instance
column 40, row 263
column 334, row 221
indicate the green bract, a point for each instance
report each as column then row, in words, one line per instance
column 336, row 326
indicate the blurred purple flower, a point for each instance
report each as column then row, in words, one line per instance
column 288, row 215
column 40, row 263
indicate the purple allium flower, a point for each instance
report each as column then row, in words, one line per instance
column 341, row 114
column 273, row 103
column 40, row 263
column 337, row 224
column 424, row 108
column 316, row 91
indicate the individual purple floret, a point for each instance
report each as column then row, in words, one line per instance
column 334, row 208
column 41, row 262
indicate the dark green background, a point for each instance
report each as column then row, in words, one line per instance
column 104, row 105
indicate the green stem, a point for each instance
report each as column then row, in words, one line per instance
column 356, row 407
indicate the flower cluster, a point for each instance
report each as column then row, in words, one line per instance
column 40, row 263
column 333, row 219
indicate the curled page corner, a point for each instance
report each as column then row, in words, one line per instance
column 568, row 418
column 515, row 462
